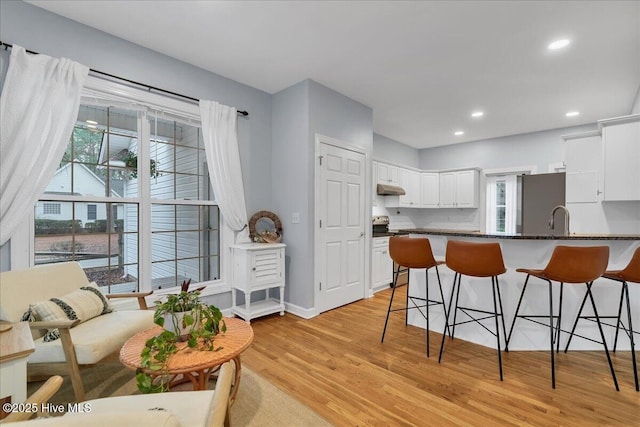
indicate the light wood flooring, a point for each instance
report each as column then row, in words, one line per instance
column 336, row 365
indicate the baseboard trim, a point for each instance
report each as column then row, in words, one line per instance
column 305, row 313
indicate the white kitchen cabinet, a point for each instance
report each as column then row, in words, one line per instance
column 430, row 190
column 410, row 181
column 388, row 174
column 621, row 141
column 257, row 267
column 374, row 180
column 583, row 160
column 381, row 263
column 459, row 189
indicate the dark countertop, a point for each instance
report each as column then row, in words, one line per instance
column 471, row 233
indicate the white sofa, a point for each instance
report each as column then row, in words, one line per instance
column 83, row 343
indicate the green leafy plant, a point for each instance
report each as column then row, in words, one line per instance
column 131, row 162
column 200, row 324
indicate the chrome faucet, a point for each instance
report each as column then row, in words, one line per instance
column 566, row 219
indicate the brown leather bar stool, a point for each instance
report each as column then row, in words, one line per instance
column 568, row 264
column 631, row 273
column 475, row 260
column 409, row 252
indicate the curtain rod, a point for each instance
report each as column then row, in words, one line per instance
column 241, row 112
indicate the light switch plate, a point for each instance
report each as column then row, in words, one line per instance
column 295, row 217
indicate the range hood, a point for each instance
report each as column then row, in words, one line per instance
column 390, row 190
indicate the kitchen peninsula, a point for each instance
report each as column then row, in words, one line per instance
column 530, row 251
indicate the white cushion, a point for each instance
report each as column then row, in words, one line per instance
column 190, row 407
column 84, row 303
column 81, row 304
column 96, row 338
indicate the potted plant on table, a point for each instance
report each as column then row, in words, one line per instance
column 184, row 317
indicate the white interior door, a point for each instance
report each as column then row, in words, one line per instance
column 341, row 221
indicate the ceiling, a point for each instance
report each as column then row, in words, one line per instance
column 423, row 67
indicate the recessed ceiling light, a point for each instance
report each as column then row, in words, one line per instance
column 559, row 44
column 572, row 113
column 92, row 122
column 477, row 114
column 458, row 133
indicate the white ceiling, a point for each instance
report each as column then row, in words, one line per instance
column 422, row 66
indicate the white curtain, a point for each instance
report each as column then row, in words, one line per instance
column 38, row 109
column 220, row 134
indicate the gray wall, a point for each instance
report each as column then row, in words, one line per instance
column 536, row 148
column 395, row 152
column 299, row 112
column 290, row 158
column 41, row 31
column 636, row 104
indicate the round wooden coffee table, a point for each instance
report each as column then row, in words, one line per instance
column 194, row 365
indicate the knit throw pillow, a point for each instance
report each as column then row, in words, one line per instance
column 82, row 304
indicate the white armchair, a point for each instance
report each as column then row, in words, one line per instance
column 207, row 408
column 80, row 343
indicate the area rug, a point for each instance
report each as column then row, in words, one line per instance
column 258, row 402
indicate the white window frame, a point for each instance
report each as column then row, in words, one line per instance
column 510, row 203
column 510, row 175
column 98, row 91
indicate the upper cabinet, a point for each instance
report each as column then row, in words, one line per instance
column 456, row 189
column 621, row 151
column 430, row 189
column 388, row 174
column 459, row 189
column 410, row 181
column 583, row 162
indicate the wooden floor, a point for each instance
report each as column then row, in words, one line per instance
column 335, row 364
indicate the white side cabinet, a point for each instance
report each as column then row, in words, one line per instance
column 381, row 263
column 16, row 345
column 257, row 267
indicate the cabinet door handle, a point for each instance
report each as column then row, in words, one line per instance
column 254, row 269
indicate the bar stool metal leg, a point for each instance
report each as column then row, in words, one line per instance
column 494, row 289
column 604, row 342
column 551, row 335
column 515, row 316
column 633, row 347
column 393, row 291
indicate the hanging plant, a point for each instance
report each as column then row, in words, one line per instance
column 130, row 160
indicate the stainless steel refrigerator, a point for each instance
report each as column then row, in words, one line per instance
column 537, row 196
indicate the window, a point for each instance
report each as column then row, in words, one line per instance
column 91, row 212
column 51, row 208
column 137, row 175
column 501, row 204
